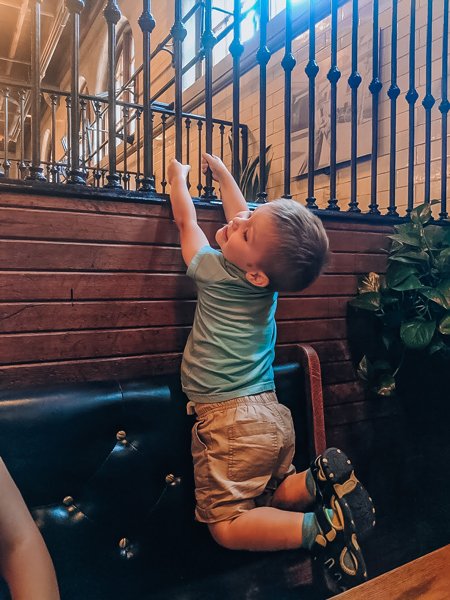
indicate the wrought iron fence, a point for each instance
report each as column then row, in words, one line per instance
column 106, row 134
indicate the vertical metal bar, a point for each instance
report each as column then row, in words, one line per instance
column 36, row 171
column 147, row 24
column 262, row 58
column 69, row 133
column 188, row 148
column 22, row 165
column 83, row 105
column 54, row 169
column 98, row 117
column 199, row 184
column 411, row 98
column 375, row 89
column 311, row 71
column 76, row 174
column 333, row 77
column 288, row 63
column 222, row 132
column 444, row 108
column 354, row 82
column 163, row 181
column 138, row 147
column 393, row 94
column 126, row 175
column 244, row 139
column 6, row 162
column 178, row 32
column 236, row 49
column 208, row 41
column 112, row 15
column 428, row 101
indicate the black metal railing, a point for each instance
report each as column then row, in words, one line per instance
column 123, row 139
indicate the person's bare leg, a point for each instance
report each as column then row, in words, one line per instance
column 263, row 528
column 24, row 559
column 293, row 493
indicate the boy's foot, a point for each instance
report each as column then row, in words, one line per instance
column 336, row 550
column 335, row 481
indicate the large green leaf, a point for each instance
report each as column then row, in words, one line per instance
column 444, row 289
column 434, row 235
column 410, row 256
column 367, row 301
column 410, row 283
column 444, row 325
column 406, row 238
column 422, row 214
column 396, row 273
column 443, row 261
column 417, row 334
column 434, row 295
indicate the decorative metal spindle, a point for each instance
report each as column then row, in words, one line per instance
column 428, row 101
column 163, row 166
column 288, row 63
column 354, row 82
column 262, row 58
column 147, row 24
column 76, row 174
column 444, row 108
column 208, row 41
column 244, row 139
column 393, row 94
column 138, row 146
column 178, row 32
column 222, row 134
column 126, row 175
column 236, row 49
column 375, row 89
column 188, row 148
column 333, row 77
column 6, row 162
column 22, row 164
column 112, row 16
column 36, row 171
column 69, row 133
column 411, row 98
column 199, row 184
column 54, row 172
column 311, row 71
column 98, row 121
column 83, row 104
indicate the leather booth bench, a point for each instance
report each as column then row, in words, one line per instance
column 105, row 468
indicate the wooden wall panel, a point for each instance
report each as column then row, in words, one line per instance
column 93, row 289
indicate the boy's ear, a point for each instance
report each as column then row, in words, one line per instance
column 258, row 278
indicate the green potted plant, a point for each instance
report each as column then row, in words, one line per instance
column 403, row 317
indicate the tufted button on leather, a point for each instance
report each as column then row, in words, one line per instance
column 172, row 480
column 68, row 501
column 121, row 436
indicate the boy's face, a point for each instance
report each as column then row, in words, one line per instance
column 247, row 238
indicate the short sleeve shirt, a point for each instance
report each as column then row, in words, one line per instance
column 230, row 350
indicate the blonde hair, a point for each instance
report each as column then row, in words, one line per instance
column 301, row 247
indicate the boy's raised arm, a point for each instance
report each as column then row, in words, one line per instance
column 192, row 237
column 232, row 199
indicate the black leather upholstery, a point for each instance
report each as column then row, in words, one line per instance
column 107, row 472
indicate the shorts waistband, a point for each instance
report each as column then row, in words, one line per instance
column 201, row 409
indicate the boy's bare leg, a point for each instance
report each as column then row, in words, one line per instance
column 293, row 493
column 263, row 528
column 24, row 559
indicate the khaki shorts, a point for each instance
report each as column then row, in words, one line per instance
column 242, row 450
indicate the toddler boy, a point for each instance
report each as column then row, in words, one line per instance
column 247, row 490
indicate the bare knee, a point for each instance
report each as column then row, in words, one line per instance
column 222, row 533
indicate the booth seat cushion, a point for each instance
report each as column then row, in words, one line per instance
column 107, row 472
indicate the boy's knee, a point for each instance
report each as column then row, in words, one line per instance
column 223, row 534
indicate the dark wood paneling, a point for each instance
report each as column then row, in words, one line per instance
column 94, row 289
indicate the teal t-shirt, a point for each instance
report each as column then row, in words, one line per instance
column 230, row 350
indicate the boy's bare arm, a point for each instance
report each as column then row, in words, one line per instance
column 232, row 199
column 192, row 237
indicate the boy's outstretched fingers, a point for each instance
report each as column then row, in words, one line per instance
column 175, row 169
column 213, row 162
